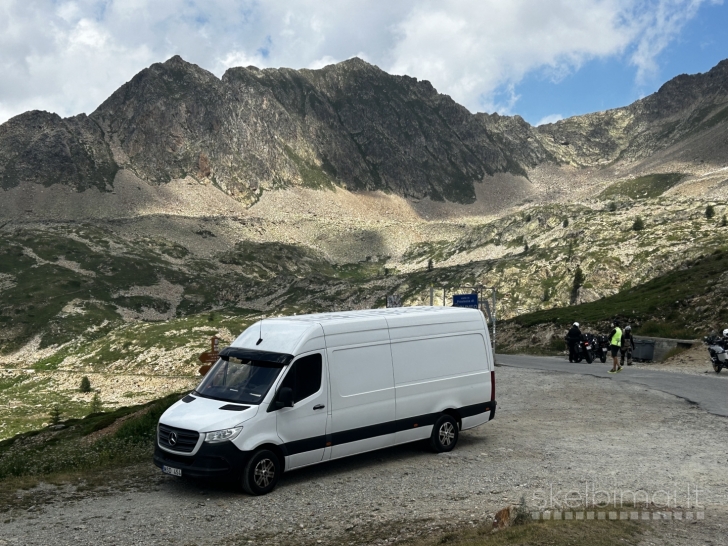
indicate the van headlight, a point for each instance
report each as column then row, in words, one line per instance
column 222, row 435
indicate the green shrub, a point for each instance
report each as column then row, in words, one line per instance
column 709, row 212
column 565, row 223
column 578, row 278
column 85, row 384
column 612, row 206
column 638, row 225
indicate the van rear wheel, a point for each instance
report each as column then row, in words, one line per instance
column 261, row 472
column 444, row 434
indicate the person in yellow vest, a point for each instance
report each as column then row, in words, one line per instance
column 615, row 344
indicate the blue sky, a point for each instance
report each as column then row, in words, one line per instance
column 607, row 83
column 538, row 58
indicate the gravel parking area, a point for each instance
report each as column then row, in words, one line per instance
column 553, row 433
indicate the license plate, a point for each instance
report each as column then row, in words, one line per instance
column 172, row 471
column 588, row 346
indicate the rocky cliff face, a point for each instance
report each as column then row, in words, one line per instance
column 349, row 124
column 43, row 148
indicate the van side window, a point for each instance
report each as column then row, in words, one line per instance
column 304, row 377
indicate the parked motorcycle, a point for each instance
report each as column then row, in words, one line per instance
column 717, row 349
column 602, row 347
column 586, row 349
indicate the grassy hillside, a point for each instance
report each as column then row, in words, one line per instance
column 688, row 303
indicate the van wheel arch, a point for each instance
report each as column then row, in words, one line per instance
column 455, row 415
column 275, row 449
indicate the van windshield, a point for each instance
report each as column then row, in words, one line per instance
column 244, row 381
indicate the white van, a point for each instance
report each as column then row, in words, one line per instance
column 296, row 391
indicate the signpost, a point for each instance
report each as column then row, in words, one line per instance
column 465, row 300
column 208, row 358
column 475, row 300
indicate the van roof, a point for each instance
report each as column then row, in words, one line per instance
column 447, row 313
column 294, row 334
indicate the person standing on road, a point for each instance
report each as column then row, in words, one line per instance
column 627, row 346
column 573, row 338
column 615, row 344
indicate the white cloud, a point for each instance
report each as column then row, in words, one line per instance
column 551, row 118
column 68, row 56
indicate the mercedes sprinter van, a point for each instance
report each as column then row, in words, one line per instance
column 296, row 391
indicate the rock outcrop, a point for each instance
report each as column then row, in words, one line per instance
column 686, row 107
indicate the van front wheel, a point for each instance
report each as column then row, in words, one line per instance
column 444, row 434
column 261, row 472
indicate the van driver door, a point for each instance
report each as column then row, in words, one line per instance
column 302, row 428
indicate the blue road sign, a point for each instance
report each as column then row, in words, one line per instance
column 465, row 300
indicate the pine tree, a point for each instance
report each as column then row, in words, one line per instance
column 96, row 405
column 85, row 384
column 578, row 278
column 709, row 212
column 566, row 222
column 430, row 265
column 55, row 415
column 612, row 207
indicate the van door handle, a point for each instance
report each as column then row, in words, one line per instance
column 319, row 406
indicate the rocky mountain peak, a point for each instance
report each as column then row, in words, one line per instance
column 348, row 124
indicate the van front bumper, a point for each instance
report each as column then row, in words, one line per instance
column 222, row 460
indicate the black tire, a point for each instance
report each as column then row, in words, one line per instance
column 717, row 367
column 603, row 358
column 261, row 472
column 578, row 359
column 444, row 434
column 589, row 357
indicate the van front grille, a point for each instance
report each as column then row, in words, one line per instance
column 177, row 439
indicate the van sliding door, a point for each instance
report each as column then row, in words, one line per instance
column 362, row 399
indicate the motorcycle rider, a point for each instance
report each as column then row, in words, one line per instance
column 615, row 343
column 627, row 346
column 573, row 338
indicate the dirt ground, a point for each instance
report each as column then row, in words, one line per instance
column 557, row 442
column 694, row 361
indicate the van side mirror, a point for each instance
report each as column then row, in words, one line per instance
column 284, row 398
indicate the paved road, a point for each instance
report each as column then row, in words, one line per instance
column 710, row 392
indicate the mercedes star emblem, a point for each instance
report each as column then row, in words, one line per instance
column 173, row 438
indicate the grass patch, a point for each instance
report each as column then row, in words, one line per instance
column 45, row 453
column 643, row 187
column 312, row 175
